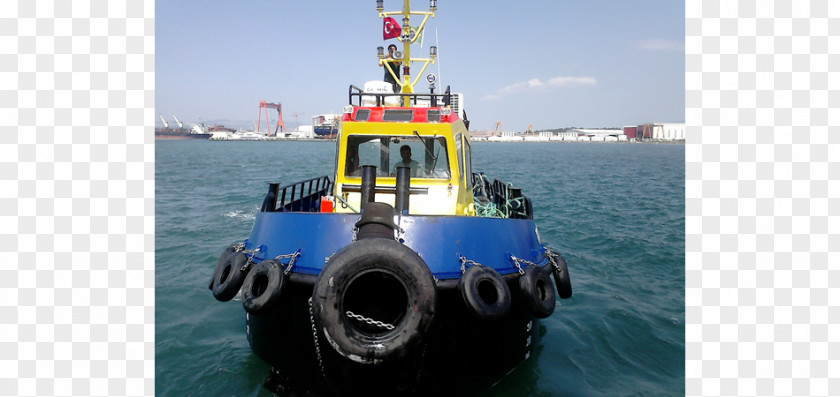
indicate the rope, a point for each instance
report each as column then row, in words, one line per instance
column 510, row 206
column 345, row 204
column 519, row 201
column 489, row 210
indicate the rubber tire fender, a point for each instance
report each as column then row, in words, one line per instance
column 374, row 258
column 561, row 278
column 485, row 293
column 229, row 250
column 263, row 287
column 229, row 276
column 537, row 291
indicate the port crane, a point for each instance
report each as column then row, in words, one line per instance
column 180, row 124
column 165, row 123
column 530, row 131
column 661, row 128
column 295, row 115
column 265, row 106
column 498, row 129
column 647, row 132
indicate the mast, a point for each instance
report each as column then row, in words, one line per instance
column 407, row 88
column 408, row 37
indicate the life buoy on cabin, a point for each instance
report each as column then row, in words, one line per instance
column 561, row 277
column 374, row 301
column 263, row 287
column 229, row 250
column 485, row 292
column 229, row 276
column 537, row 291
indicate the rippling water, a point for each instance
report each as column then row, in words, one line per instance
column 615, row 211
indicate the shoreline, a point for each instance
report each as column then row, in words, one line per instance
column 657, row 142
column 646, row 142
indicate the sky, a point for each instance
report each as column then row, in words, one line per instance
column 546, row 63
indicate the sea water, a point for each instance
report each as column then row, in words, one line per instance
column 614, row 210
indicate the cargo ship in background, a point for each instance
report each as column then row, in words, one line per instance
column 183, row 132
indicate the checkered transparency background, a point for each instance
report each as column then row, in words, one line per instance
column 763, row 198
column 76, row 198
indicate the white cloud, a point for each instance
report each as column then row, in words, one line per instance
column 536, row 84
column 523, row 86
column 660, row 45
column 566, row 81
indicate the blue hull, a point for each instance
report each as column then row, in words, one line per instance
column 461, row 351
column 325, row 131
column 460, row 355
column 440, row 240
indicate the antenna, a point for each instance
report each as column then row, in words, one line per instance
column 437, row 43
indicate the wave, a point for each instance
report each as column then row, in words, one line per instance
column 246, row 215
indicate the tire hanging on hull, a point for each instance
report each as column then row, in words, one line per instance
column 537, row 291
column 561, row 276
column 485, row 293
column 263, row 287
column 229, row 275
column 228, row 251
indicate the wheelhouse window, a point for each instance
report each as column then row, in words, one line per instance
column 459, row 153
column 398, row 115
column 425, row 155
column 433, row 115
column 468, row 162
column 362, row 115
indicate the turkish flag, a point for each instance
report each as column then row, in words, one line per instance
column 390, row 28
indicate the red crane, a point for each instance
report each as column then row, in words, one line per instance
column 266, row 105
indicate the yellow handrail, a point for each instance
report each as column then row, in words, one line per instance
column 406, row 85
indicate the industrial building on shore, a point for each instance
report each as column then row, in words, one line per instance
column 655, row 132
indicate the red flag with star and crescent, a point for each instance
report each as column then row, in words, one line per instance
column 390, row 28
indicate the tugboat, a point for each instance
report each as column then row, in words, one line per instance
column 404, row 272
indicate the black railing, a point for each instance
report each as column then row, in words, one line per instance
column 358, row 93
column 303, row 196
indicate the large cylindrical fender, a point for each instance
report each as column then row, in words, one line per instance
column 485, row 293
column 263, row 287
column 537, row 291
column 229, row 276
column 374, row 301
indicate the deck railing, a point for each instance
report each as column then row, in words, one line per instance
column 445, row 98
column 303, row 196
